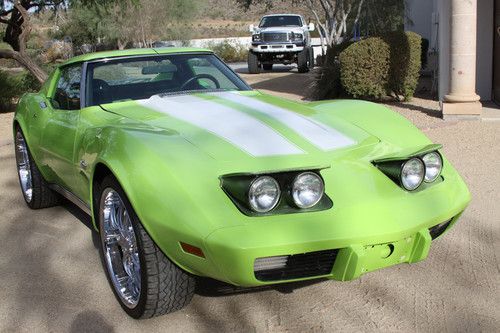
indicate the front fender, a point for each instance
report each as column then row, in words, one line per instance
column 167, row 183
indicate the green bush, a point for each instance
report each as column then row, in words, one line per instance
column 327, row 82
column 371, row 68
column 405, row 62
column 229, row 52
column 11, row 88
column 364, row 68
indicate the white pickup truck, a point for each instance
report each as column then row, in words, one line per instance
column 281, row 39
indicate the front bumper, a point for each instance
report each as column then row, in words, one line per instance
column 370, row 236
column 276, row 48
column 348, row 262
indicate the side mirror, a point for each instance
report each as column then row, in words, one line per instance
column 311, row 27
column 251, row 28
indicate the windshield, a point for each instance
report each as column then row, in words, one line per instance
column 280, row 21
column 142, row 77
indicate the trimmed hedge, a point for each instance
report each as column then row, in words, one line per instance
column 371, row 68
column 405, row 63
column 364, row 68
column 327, row 82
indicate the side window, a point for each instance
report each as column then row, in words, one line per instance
column 67, row 95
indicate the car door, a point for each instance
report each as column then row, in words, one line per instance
column 58, row 134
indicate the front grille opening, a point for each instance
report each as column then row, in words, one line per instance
column 275, row 37
column 438, row 229
column 295, row 266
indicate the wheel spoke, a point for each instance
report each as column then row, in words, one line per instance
column 23, row 167
column 122, row 256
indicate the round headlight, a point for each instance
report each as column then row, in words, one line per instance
column 433, row 165
column 307, row 189
column 412, row 174
column 264, row 194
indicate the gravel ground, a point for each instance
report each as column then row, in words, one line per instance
column 53, row 282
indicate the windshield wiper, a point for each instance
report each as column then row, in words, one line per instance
column 194, row 91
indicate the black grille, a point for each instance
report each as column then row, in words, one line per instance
column 278, row 37
column 301, row 266
column 438, row 229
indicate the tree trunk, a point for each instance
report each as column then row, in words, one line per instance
column 17, row 34
column 121, row 44
column 26, row 62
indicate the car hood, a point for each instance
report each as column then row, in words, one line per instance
column 248, row 126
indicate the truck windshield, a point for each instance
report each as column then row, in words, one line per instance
column 280, row 21
column 134, row 78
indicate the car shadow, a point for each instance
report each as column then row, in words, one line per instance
column 241, row 68
column 213, row 288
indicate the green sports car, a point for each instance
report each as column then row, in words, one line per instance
column 187, row 171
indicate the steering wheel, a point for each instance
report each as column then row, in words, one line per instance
column 200, row 76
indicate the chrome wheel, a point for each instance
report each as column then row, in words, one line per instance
column 120, row 248
column 24, row 167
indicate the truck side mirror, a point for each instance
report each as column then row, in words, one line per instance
column 251, row 28
column 311, row 27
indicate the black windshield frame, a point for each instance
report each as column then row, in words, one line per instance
column 89, row 66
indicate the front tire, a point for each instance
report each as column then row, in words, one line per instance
column 145, row 282
column 302, row 60
column 253, row 63
column 36, row 191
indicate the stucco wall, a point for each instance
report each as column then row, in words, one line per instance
column 484, row 70
column 419, row 17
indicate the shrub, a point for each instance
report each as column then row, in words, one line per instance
column 229, row 52
column 405, row 62
column 371, row 68
column 364, row 68
column 327, row 82
column 11, row 88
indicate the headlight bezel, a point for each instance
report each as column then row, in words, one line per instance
column 392, row 167
column 236, row 187
column 256, row 37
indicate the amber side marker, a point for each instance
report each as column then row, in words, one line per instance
column 191, row 249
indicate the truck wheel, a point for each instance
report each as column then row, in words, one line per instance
column 302, row 60
column 253, row 63
column 311, row 58
column 36, row 191
column 145, row 282
column 268, row 67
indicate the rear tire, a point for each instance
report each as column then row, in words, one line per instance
column 268, row 67
column 253, row 63
column 302, row 59
column 311, row 58
column 36, row 191
column 162, row 286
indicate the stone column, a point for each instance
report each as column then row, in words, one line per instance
column 462, row 100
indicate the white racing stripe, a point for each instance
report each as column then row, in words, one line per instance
column 320, row 135
column 245, row 132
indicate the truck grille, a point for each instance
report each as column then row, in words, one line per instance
column 295, row 266
column 278, row 37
